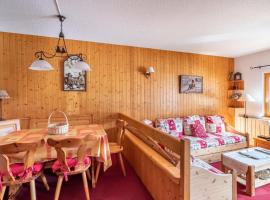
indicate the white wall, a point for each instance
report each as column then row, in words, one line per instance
column 254, row 79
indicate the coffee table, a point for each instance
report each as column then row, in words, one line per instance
column 246, row 168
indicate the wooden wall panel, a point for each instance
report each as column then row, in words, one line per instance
column 116, row 83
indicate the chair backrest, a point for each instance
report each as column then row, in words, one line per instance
column 120, row 124
column 8, row 126
column 72, row 119
column 13, row 148
column 79, row 144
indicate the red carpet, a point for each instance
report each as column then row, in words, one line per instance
column 262, row 193
column 112, row 185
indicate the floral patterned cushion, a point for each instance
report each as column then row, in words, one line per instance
column 177, row 134
column 148, row 122
column 214, row 140
column 215, row 124
column 197, row 130
column 172, row 126
column 188, row 121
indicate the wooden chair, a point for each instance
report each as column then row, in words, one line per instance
column 19, row 173
column 116, row 147
column 8, row 126
column 65, row 166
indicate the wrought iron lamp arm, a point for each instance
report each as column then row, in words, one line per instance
column 41, row 54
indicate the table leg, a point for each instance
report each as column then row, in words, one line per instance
column 93, row 172
column 250, row 181
column 223, row 167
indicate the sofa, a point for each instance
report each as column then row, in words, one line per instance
column 209, row 136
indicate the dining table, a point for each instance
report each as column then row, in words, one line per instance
column 99, row 146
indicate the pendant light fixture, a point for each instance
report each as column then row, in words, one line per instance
column 60, row 51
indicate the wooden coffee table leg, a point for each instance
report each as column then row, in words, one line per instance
column 250, row 181
column 223, row 167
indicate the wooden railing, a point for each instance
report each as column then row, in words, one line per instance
column 182, row 148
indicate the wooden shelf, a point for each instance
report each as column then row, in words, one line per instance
column 235, row 107
column 235, row 86
column 235, row 90
column 233, row 81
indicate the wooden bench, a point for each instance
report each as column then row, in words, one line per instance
column 162, row 178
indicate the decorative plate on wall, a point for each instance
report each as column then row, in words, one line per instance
column 74, row 79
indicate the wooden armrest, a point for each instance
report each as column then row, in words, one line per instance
column 231, row 129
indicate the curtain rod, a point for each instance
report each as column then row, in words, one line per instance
column 259, row 67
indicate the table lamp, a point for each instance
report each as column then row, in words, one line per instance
column 3, row 95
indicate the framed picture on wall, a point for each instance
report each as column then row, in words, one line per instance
column 74, row 79
column 190, row 84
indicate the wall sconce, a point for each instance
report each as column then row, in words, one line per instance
column 149, row 71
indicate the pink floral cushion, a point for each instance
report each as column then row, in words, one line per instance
column 176, row 134
column 197, row 130
column 189, row 120
column 172, row 126
column 214, row 140
column 17, row 169
column 215, row 124
column 71, row 162
column 148, row 122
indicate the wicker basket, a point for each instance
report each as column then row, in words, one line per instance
column 60, row 128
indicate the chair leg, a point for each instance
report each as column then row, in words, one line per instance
column 97, row 171
column 85, row 185
column 58, row 187
column 33, row 189
column 93, row 173
column 122, row 163
column 45, row 183
column 88, row 174
column 3, row 192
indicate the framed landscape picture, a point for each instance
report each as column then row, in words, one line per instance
column 74, row 79
column 191, row 84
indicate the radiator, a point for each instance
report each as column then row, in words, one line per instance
column 254, row 126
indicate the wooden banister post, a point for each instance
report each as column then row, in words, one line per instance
column 184, row 170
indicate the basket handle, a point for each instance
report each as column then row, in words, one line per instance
column 49, row 119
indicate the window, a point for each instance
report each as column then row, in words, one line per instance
column 267, row 94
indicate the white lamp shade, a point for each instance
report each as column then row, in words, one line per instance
column 246, row 98
column 41, row 65
column 82, row 66
column 150, row 70
column 4, row 94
